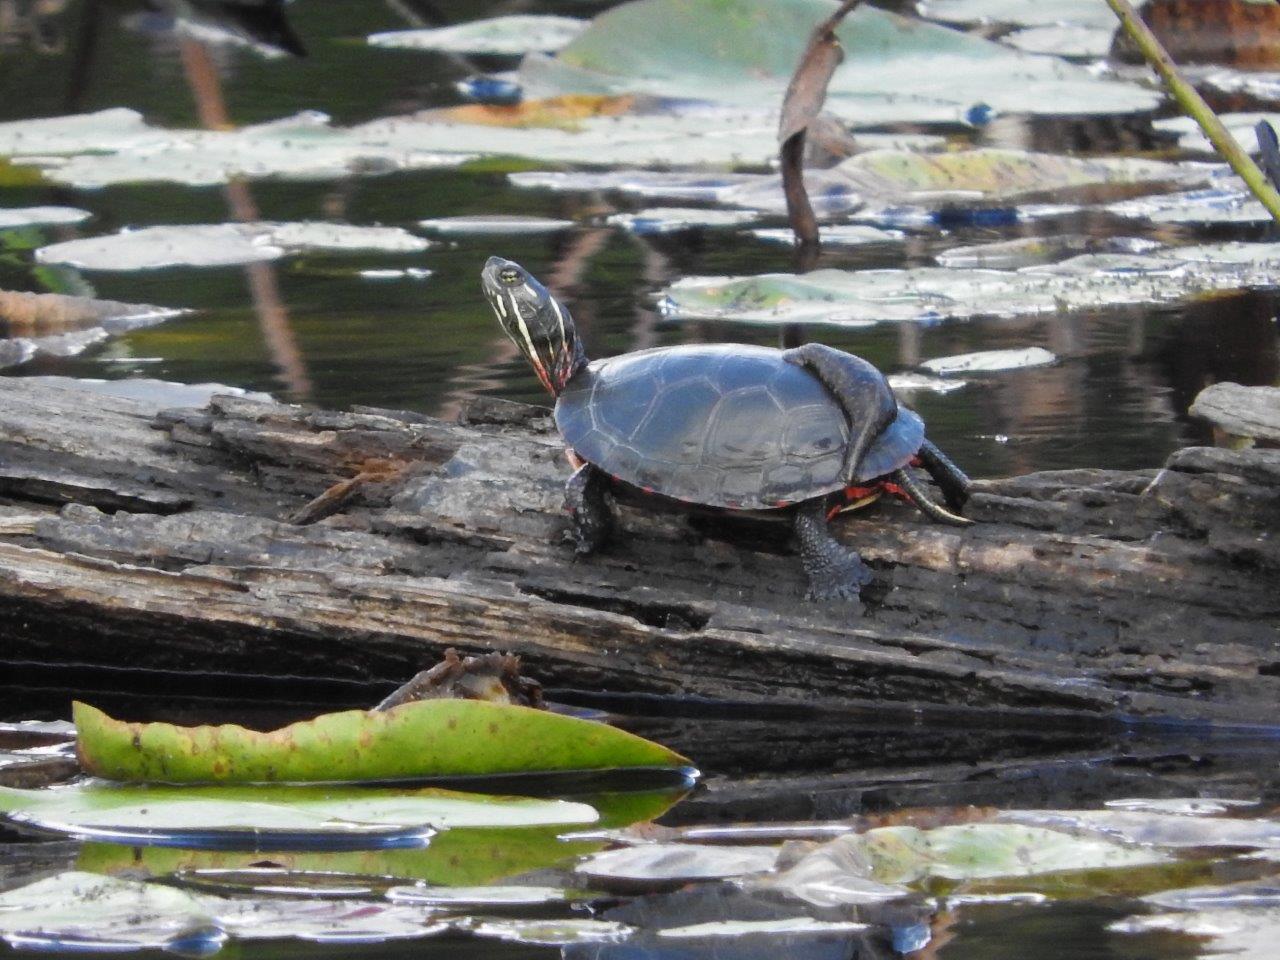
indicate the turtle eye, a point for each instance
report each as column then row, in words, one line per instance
column 509, row 275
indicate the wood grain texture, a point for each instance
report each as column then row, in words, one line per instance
column 131, row 536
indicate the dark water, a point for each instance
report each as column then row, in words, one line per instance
column 1118, row 399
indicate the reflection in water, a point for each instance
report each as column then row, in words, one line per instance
column 260, row 24
column 273, row 318
column 33, row 24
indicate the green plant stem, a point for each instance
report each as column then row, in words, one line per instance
column 1194, row 106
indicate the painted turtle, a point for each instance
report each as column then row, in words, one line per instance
column 812, row 430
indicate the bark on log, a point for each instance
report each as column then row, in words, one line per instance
column 159, row 539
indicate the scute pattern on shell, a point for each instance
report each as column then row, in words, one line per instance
column 724, row 425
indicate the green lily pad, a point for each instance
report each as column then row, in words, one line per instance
column 746, row 51
column 275, row 816
column 433, row 738
column 880, row 863
column 467, row 856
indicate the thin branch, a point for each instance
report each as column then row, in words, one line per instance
column 1194, row 106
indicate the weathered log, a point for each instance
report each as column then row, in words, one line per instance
column 159, row 539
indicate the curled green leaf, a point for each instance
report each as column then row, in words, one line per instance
column 432, row 738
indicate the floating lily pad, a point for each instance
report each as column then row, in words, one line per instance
column 553, row 933
column 31, row 216
column 611, row 131
column 919, row 383
column 836, row 235
column 494, row 224
column 1263, row 893
column 745, row 928
column 465, row 857
column 389, row 273
column 427, row 738
column 1090, row 281
column 1187, row 806
column 1029, row 251
column 1017, row 12
column 328, row 921
column 273, row 816
column 1074, row 28
column 674, row 219
column 681, row 862
column 963, row 178
column 1212, row 205
column 1240, row 125
column 1164, row 830
column 642, row 183
column 482, row 897
column 994, row 174
column 1064, row 40
column 746, row 50
column 988, row 361
column 515, row 34
column 861, row 867
column 1262, row 85
column 89, row 912
column 117, row 146
column 222, row 244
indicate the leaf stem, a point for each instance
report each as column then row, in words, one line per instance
column 1194, row 106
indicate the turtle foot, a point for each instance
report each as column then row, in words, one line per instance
column 842, row 581
column 590, row 521
column 586, row 541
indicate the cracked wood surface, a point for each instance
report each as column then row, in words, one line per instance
column 162, row 539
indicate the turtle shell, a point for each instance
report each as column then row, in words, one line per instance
column 725, row 425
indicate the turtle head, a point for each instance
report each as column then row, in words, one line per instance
column 536, row 321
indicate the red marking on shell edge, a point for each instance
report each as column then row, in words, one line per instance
column 897, row 491
column 916, row 461
column 781, row 503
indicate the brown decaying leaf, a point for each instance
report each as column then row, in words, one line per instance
column 1229, row 32
column 22, row 312
column 804, row 98
column 563, row 111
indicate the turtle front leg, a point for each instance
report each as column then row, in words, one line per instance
column 590, row 520
column 860, row 389
column 835, row 572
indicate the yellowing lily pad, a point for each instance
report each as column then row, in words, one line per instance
column 433, row 738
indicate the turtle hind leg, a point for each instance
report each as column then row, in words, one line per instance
column 835, row 572
column 950, row 479
column 590, row 519
column 859, row 388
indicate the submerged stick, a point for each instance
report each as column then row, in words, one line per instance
column 1194, row 106
column 805, row 95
